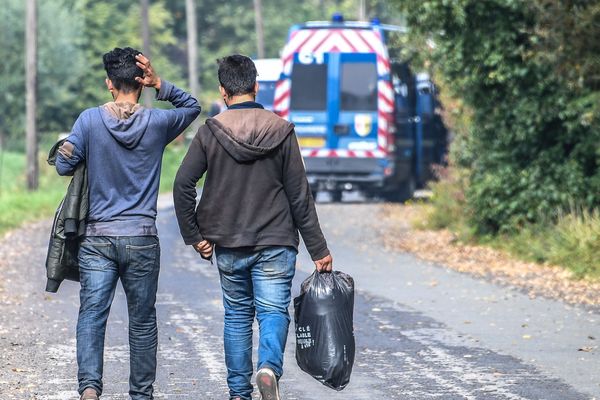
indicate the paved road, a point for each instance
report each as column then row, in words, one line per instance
column 422, row 332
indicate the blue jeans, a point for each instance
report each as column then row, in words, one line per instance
column 255, row 282
column 102, row 261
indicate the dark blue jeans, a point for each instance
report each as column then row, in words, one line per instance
column 255, row 282
column 102, row 261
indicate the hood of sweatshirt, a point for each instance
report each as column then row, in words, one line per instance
column 249, row 134
column 126, row 122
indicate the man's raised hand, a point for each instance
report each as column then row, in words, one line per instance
column 150, row 78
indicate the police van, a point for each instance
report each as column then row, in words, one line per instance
column 364, row 121
column 269, row 70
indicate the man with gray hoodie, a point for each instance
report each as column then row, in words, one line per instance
column 254, row 201
column 122, row 144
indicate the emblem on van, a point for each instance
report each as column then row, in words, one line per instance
column 363, row 124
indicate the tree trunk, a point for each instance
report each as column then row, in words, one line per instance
column 258, row 21
column 145, row 8
column 31, row 95
column 362, row 10
column 192, row 48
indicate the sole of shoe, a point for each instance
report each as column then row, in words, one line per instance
column 267, row 384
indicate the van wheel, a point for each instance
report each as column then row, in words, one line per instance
column 336, row 196
column 404, row 192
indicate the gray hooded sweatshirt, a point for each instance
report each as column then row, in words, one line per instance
column 255, row 192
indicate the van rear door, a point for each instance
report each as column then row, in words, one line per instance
column 353, row 114
column 308, row 99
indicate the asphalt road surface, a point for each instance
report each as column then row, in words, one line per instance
column 422, row 332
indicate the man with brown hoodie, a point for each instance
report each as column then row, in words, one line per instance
column 255, row 200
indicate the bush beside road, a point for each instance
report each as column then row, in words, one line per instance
column 521, row 95
column 570, row 239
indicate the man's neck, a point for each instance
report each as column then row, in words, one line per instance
column 127, row 98
column 240, row 99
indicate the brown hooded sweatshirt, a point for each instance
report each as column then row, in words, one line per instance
column 255, row 192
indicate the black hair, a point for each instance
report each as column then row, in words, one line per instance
column 121, row 69
column 237, row 74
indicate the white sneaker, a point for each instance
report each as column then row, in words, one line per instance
column 267, row 384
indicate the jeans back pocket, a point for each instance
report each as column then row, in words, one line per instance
column 143, row 258
column 95, row 254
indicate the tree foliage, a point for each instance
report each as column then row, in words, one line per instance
column 73, row 35
column 531, row 84
column 59, row 66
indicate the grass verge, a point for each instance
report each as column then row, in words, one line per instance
column 571, row 241
column 19, row 206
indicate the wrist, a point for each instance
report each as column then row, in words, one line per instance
column 157, row 84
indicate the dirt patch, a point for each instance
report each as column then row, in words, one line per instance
column 442, row 247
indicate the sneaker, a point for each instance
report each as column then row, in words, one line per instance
column 89, row 394
column 267, row 384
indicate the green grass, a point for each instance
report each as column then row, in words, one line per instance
column 19, row 206
column 571, row 241
column 171, row 162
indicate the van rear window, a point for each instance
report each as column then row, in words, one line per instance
column 309, row 87
column 266, row 93
column 359, row 86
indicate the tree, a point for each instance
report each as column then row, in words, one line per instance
column 117, row 24
column 533, row 138
column 31, row 93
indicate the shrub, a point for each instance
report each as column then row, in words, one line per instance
column 535, row 125
column 575, row 243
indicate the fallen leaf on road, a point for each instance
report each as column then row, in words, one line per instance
column 587, row 349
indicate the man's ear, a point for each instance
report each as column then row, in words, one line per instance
column 223, row 92
column 256, row 86
column 109, row 85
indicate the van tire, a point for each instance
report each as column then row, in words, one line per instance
column 336, row 196
column 404, row 192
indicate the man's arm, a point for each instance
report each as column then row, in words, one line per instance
column 186, row 112
column 187, row 107
column 191, row 170
column 302, row 204
column 72, row 151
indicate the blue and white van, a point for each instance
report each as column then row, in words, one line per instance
column 359, row 116
column 269, row 70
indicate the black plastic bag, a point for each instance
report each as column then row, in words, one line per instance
column 323, row 314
